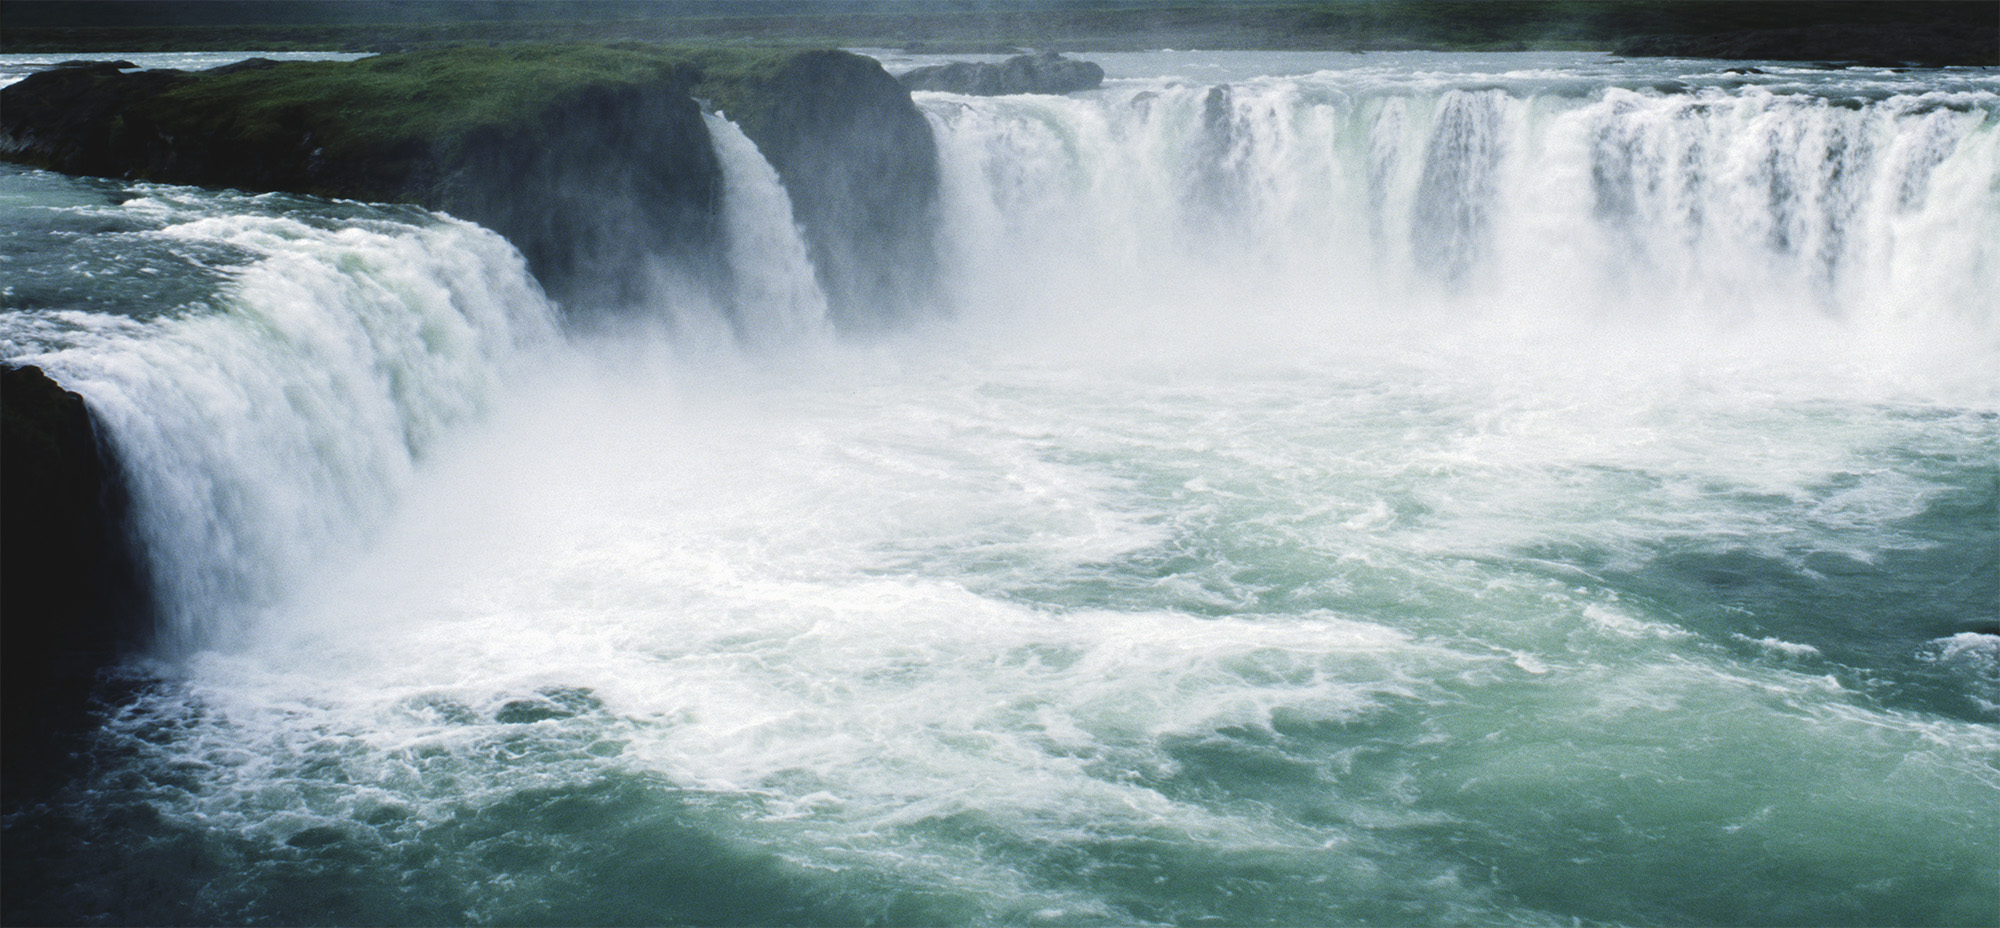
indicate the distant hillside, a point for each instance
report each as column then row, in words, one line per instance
column 966, row 25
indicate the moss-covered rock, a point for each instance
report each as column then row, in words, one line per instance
column 83, row 119
column 583, row 156
column 579, row 155
column 381, row 128
column 600, row 184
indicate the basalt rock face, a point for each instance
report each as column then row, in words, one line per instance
column 859, row 162
column 97, row 120
column 71, row 598
column 1047, row 72
column 601, row 192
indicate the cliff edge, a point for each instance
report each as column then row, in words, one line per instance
column 594, row 160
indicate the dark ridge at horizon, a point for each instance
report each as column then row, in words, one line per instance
column 71, row 13
column 38, row 25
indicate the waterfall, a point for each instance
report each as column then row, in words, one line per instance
column 278, row 423
column 273, row 426
column 1424, row 492
column 777, row 301
column 1338, row 193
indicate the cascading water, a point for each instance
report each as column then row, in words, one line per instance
column 1709, row 203
column 771, row 301
column 777, row 300
column 273, row 418
column 1519, row 489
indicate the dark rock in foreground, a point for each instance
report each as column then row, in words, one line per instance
column 71, row 597
column 120, row 64
column 1047, row 72
column 1926, row 45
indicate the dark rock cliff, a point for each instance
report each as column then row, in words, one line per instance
column 71, row 597
column 595, row 190
column 860, row 164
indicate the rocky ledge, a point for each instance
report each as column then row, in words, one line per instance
column 1047, row 72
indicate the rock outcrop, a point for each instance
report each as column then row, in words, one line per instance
column 1047, row 72
column 595, row 190
column 860, row 164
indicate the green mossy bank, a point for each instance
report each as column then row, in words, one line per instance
column 590, row 158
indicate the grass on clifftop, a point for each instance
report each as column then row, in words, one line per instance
column 401, row 107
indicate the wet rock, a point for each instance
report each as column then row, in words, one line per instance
column 591, row 182
column 119, row 65
column 860, row 165
column 603, row 183
column 71, row 599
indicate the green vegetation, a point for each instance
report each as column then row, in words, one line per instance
column 730, row 79
column 1091, row 25
column 393, row 102
column 390, row 114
